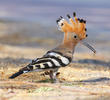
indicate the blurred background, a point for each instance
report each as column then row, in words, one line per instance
column 32, row 23
column 28, row 29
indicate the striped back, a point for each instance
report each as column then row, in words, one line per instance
column 51, row 59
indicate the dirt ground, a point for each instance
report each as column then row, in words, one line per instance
column 86, row 78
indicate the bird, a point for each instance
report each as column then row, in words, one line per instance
column 62, row 55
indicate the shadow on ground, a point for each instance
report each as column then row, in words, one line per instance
column 92, row 61
column 101, row 79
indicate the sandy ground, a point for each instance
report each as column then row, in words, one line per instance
column 86, row 78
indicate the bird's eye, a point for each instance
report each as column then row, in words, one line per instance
column 75, row 36
column 61, row 24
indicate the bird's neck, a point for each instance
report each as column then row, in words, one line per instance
column 70, row 45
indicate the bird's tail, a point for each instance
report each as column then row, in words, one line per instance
column 16, row 74
column 21, row 71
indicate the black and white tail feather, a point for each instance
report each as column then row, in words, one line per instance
column 50, row 61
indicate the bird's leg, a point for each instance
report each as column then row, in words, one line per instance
column 53, row 75
column 48, row 73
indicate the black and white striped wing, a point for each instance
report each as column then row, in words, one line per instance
column 51, row 60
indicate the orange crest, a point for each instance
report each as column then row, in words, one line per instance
column 77, row 26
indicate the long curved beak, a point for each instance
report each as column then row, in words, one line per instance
column 89, row 46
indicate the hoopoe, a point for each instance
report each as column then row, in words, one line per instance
column 61, row 56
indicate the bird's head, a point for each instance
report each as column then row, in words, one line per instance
column 75, row 30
